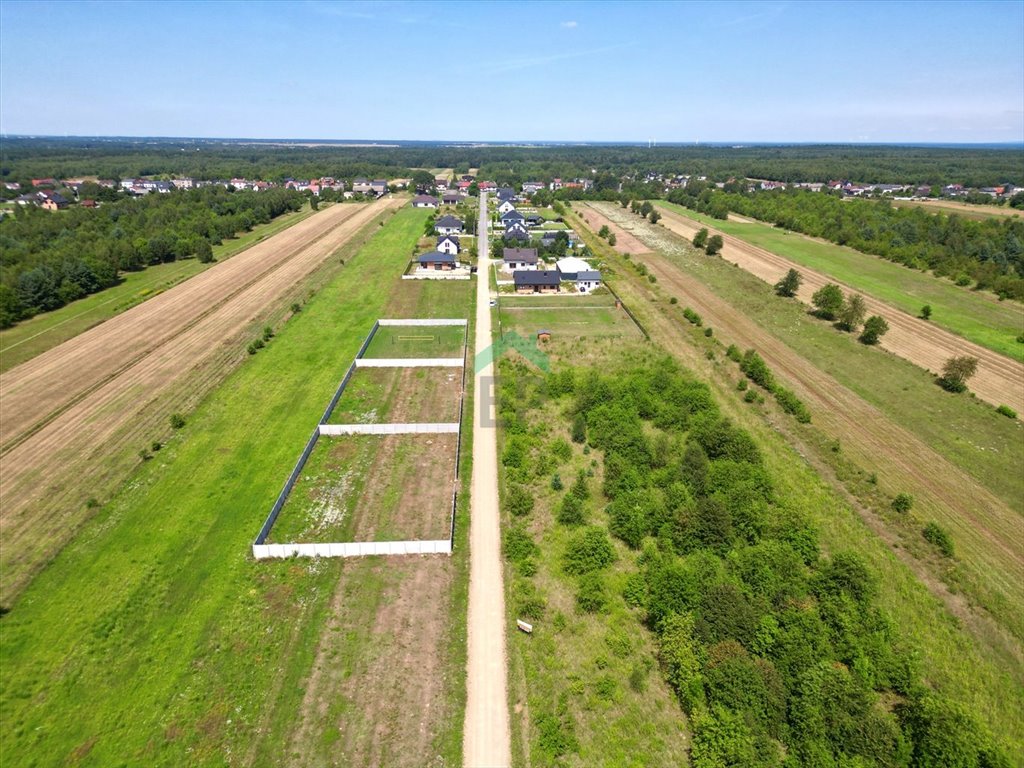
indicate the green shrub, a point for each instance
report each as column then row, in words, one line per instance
column 519, row 500
column 268, row 333
column 939, row 538
column 580, row 489
column 792, row 404
column 561, row 450
column 756, row 369
column 1007, row 411
column 527, row 601
column 591, row 596
column 156, row 446
column 693, row 317
column 255, row 346
column 708, row 332
column 556, row 482
column 733, row 353
column 750, row 396
column 177, row 421
column 673, row 300
column 588, row 550
column 902, row 503
column 571, row 510
column 518, row 545
column 741, row 385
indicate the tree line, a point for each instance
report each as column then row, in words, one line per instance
column 779, row 653
column 986, row 254
column 50, row 259
column 22, row 158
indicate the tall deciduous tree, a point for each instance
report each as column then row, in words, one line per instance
column 852, row 314
column 957, row 371
column 789, row 285
column 828, row 301
column 874, row 328
column 714, row 245
column 701, row 238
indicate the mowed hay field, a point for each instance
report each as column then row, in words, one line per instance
column 968, row 653
column 74, row 418
column 567, row 317
column 42, row 332
column 155, row 639
column 977, row 316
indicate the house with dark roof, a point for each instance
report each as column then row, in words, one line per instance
column 448, row 225
column 587, row 280
column 505, row 207
column 442, row 262
column 511, row 217
column 448, row 244
column 516, row 232
column 379, row 186
column 424, row 201
column 537, row 281
column 362, row 186
column 534, row 220
column 505, row 193
column 451, row 198
column 53, row 201
column 519, row 258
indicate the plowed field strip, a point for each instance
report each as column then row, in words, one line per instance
column 35, row 392
column 999, row 380
column 46, row 469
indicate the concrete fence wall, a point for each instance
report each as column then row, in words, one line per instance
column 409, row 362
column 389, row 429
column 353, row 549
column 422, row 322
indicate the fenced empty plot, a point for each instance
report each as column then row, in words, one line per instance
column 379, row 474
column 568, row 317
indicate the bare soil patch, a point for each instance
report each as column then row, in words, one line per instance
column 71, row 413
column 400, row 395
column 625, row 240
column 372, row 488
column 376, row 693
column 998, row 381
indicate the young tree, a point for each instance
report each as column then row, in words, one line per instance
column 654, row 217
column 646, row 208
column 874, row 328
column 204, row 251
column 701, row 238
column 789, row 285
column 603, row 232
column 714, row 245
column 852, row 313
column 926, row 311
column 828, row 301
column 957, row 371
column 612, row 239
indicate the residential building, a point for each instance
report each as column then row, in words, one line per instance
column 448, row 225
column 442, row 262
column 448, row 244
column 519, row 258
column 424, row 201
column 537, row 281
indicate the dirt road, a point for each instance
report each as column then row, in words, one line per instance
column 998, row 381
column 67, row 412
column 485, row 739
column 985, row 528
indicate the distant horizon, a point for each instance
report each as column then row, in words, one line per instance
column 370, row 143
column 812, row 72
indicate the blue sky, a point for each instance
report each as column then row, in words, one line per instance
column 734, row 71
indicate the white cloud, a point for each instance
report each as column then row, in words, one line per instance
column 569, row 24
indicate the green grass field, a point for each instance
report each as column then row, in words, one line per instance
column 417, row 341
column 567, row 317
column 976, row 316
column 153, row 638
column 42, row 332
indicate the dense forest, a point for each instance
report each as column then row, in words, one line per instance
column 48, row 259
column 987, row 254
column 778, row 652
column 23, row 158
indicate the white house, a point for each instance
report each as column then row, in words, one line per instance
column 570, row 267
column 448, row 244
column 448, row 225
column 515, row 259
column 506, row 207
column 424, row 201
column 587, row 280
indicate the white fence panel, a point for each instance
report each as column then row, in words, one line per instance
column 423, row 322
column 424, row 428
column 409, row 362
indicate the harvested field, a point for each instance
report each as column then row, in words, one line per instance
column 967, row 210
column 386, row 706
column 625, row 241
column 417, row 341
column 381, row 395
column 372, row 488
column 67, row 412
column 999, row 380
column 986, row 529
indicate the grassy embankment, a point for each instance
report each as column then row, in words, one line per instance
column 967, row 210
column 969, row 664
column 154, row 637
column 976, row 316
column 37, row 334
